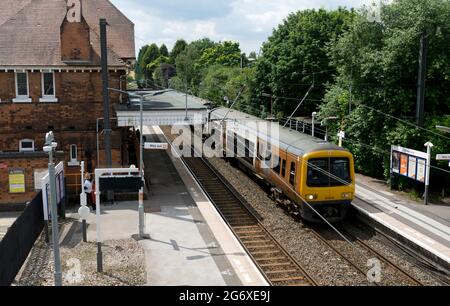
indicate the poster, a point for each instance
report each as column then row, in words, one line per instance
column 17, row 181
column 412, row 167
column 404, row 164
column 421, row 166
column 395, row 162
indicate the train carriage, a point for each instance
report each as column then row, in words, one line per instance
column 307, row 174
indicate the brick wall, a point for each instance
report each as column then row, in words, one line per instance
column 73, row 119
column 29, row 164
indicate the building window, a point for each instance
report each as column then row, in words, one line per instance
column 26, row 145
column 22, row 88
column 73, row 156
column 48, row 87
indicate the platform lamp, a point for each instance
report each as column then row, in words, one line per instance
column 50, row 146
column 324, row 123
column 141, row 96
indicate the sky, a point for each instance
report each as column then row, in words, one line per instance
column 249, row 22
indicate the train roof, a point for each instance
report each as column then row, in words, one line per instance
column 293, row 141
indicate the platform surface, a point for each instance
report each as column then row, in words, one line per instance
column 427, row 226
column 189, row 243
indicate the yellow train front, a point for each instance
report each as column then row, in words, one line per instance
column 309, row 176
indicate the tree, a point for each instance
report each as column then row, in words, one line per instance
column 163, row 51
column 379, row 62
column 226, row 53
column 139, row 62
column 296, row 56
column 222, row 81
column 150, row 55
column 179, row 47
column 189, row 71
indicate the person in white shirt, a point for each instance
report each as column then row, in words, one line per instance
column 88, row 189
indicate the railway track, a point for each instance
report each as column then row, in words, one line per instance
column 274, row 262
column 373, row 253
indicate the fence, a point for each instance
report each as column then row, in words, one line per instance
column 19, row 240
column 304, row 127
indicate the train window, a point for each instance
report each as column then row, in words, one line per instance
column 268, row 156
column 276, row 166
column 318, row 172
column 340, row 171
column 283, row 168
column 249, row 151
column 292, row 174
column 260, row 149
column 235, row 144
column 325, row 172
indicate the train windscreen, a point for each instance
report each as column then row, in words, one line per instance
column 328, row 172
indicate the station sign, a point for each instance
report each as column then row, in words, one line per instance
column 60, row 189
column 443, row 157
column 409, row 163
column 156, row 146
column 120, row 183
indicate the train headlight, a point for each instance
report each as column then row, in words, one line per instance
column 346, row 195
column 311, row 196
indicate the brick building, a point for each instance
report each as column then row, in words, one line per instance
column 50, row 79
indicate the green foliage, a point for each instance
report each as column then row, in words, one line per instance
column 379, row 62
column 222, row 82
column 226, row 53
column 179, row 47
column 297, row 49
column 139, row 72
column 189, row 71
column 150, row 55
column 373, row 64
column 163, row 51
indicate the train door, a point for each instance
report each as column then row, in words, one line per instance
column 258, row 154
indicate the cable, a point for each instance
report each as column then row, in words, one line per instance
column 404, row 121
column 389, row 153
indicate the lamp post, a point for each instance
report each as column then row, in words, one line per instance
column 429, row 145
column 83, row 211
column 324, row 122
column 50, row 146
column 313, row 115
column 270, row 118
column 141, row 97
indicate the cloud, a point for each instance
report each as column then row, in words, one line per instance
column 249, row 22
column 190, row 9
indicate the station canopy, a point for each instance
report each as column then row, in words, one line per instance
column 163, row 107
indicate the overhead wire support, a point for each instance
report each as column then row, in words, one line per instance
column 301, row 102
column 234, row 102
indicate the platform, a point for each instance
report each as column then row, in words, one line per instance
column 190, row 244
column 424, row 228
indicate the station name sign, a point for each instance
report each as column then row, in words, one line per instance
column 156, row 146
column 409, row 163
column 443, row 156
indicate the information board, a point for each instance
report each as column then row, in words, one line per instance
column 409, row 163
column 16, row 181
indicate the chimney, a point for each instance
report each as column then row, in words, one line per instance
column 75, row 36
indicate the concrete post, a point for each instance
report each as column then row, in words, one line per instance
column 429, row 145
column 54, row 210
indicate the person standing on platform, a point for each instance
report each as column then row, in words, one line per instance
column 88, row 189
